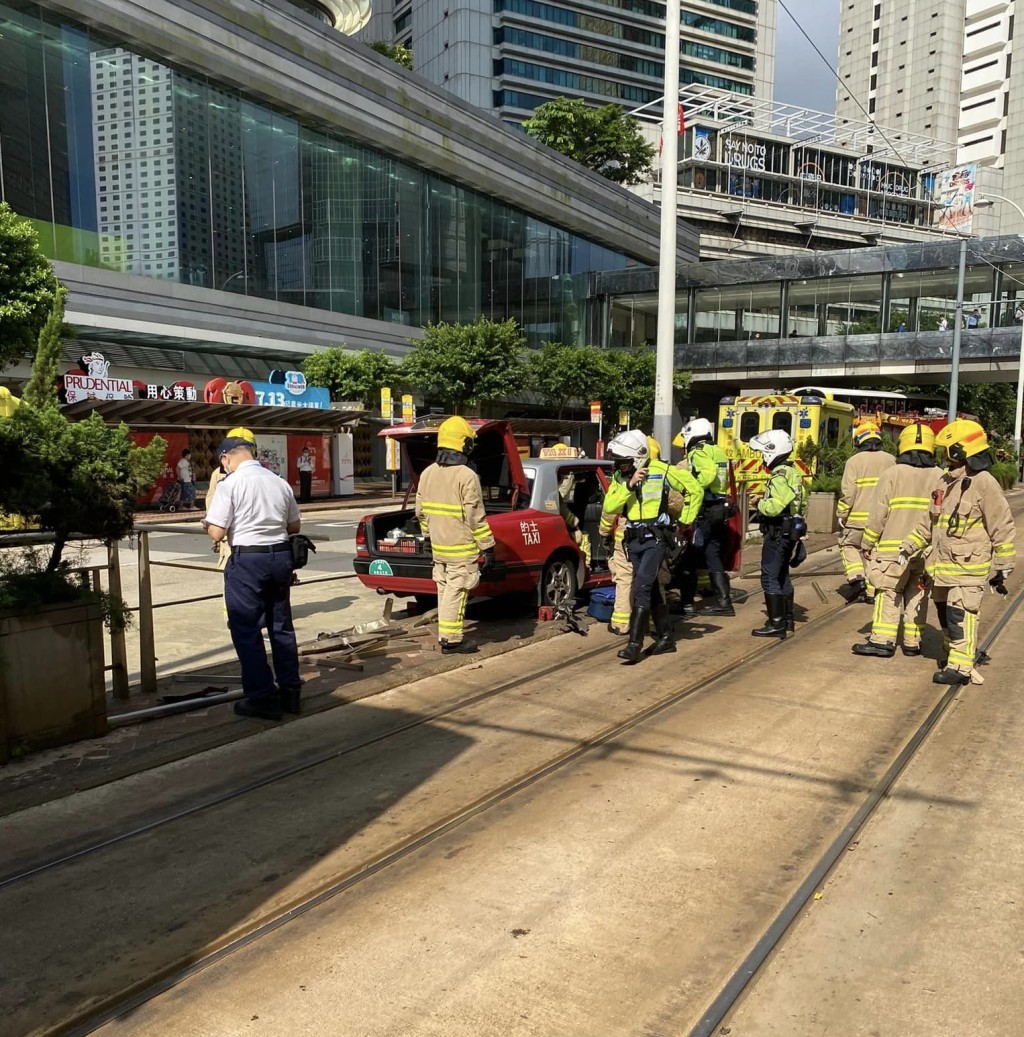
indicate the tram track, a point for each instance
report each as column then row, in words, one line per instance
column 324, row 759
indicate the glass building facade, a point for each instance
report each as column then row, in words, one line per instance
column 128, row 164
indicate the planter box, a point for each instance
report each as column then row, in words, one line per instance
column 821, row 513
column 52, row 686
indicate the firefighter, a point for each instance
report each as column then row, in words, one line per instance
column 780, row 515
column 710, row 467
column 860, row 481
column 972, row 544
column 450, row 509
column 622, row 573
column 639, row 491
column 896, row 535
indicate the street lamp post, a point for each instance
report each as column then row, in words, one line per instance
column 985, row 203
column 954, row 372
column 666, row 342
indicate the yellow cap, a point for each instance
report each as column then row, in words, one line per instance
column 242, row 433
column 653, row 449
column 968, row 435
column 452, row 434
column 917, row 437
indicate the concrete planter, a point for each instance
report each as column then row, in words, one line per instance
column 52, row 687
column 821, row 513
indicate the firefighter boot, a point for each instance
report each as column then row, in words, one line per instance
column 858, row 590
column 775, row 605
column 723, row 598
column 638, row 621
column 666, row 641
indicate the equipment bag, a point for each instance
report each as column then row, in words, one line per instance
column 301, row 545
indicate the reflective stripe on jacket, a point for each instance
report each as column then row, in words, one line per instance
column 860, row 481
column 450, row 507
column 900, row 519
column 643, row 503
column 973, row 532
column 785, row 493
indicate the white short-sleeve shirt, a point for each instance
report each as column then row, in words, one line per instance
column 255, row 506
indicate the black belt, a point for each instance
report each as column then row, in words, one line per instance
column 245, row 549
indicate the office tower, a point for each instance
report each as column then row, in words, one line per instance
column 941, row 68
column 512, row 55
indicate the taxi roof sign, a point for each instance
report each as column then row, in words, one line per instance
column 559, row 450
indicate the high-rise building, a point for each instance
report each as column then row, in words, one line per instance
column 941, row 68
column 512, row 55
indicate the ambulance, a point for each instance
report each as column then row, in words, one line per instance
column 823, row 421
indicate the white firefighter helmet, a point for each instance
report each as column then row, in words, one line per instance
column 631, row 445
column 772, row 445
column 698, row 428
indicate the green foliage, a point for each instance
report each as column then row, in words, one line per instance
column 27, row 286
column 632, row 385
column 605, row 140
column 399, row 54
column 561, row 374
column 463, row 363
column 871, row 324
column 1005, row 473
column 994, row 404
column 41, row 390
column 351, row 376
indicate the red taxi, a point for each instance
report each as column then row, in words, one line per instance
column 544, row 514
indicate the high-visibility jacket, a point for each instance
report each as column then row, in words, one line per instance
column 644, row 502
column 899, row 522
column 710, row 467
column 785, row 493
column 450, row 507
column 973, row 532
column 860, row 481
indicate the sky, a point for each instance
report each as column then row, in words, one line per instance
column 801, row 77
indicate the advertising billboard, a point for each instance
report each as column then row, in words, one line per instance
column 954, row 199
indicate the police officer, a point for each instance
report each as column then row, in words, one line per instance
column 256, row 510
column 860, row 480
column 780, row 514
column 450, row 508
column 710, row 467
column 639, row 490
column 972, row 544
column 896, row 534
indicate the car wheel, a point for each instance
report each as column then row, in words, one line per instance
column 558, row 583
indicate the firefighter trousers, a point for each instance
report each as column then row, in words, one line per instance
column 907, row 601
column 958, row 609
column 454, row 582
column 850, row 551
column 622, row 573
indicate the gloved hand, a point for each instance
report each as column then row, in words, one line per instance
column 486, row 560
column 998, row 582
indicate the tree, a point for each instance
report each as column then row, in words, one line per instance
column 27, row 286
column 632, row 385
column 397, row 52
column 561, row 374
column 351, row 376
column 462, row 363
column 605, row 139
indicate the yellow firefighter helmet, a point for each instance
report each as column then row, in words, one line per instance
column 917, row 437
column 455, row 434
column 653, row 449
column 962, row 439
column 866, row 431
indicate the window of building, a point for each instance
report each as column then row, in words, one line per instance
column 750, row 426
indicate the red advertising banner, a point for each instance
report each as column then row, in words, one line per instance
column 176, row 442
column 312, row 452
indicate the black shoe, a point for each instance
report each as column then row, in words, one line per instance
column 666, row 641
column 689, row 610
column 459, row 648
column 911, row 649
column 638, row 621
column 857, row 589
column 617, row 633
column 882, row 651
column 776, row 624
column 951, row 677
column 787, row 602
column 723, row 596
column 290, row 700
column 268, row 708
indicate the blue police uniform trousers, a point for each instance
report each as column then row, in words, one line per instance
column 257, row 589
column 713, row 531
column 646, row 556
column 776, row 554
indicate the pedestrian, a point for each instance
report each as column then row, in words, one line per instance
column 710, row 467
column 860, row 483
column 639, row 491
column 217, row 476
column 305, row 466
column 187, row 481
column 257, row 512
column 450, row 509
column 944, row 324
column 902, row 327
column 972, row 544
column 974, row 319
column 780, row 516
column 897, row 533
